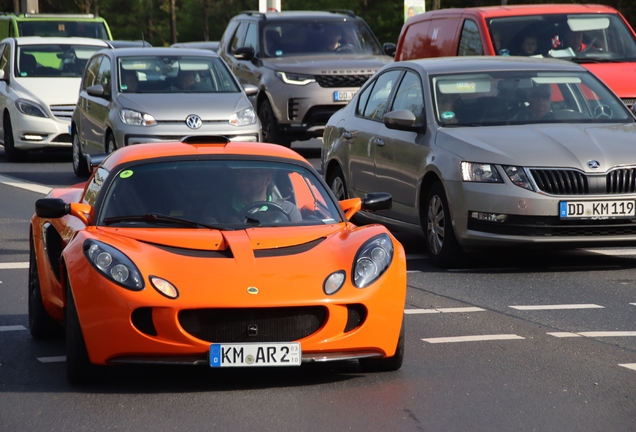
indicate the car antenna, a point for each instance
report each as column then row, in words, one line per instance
column 143, row 41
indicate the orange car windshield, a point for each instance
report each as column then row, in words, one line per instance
column 221, row 194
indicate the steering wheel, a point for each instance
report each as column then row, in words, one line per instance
column 344, row 47
column 271, row 207
column 602, row 111
column 589, row 46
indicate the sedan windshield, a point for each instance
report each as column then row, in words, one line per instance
column 53, row 60
column 216, row 194
column 520, row 97
column 174, row 74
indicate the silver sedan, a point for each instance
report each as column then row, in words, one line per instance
column 489, row 152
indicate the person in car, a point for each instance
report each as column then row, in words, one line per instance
column 529, row 46
column 129, row 81
column 185, row 80
column 574, row 40
column 540, row 103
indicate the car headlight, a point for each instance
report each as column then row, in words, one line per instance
column 30, row 108
column 114, row 265
column 518, row 176
column 136, row 118
column 295, row 79
column 372, row 260
column 244, row 117
column 480, row 172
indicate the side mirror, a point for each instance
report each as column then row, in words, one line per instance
column 53, row 208
column 401, row 120
column 250, row 89
column 389, row 49
column 244, row 53
column 377, row 201
column 97, row 91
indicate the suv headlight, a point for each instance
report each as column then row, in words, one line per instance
column 295, row 79
column 480, row 172
column 372, row 260
column 136, row 118
column 113, row 264
column 244, row 117
column 30, row 108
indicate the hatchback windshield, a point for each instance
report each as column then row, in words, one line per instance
column 222, row 194
column 53, row 60
column 174, row 74
column 581, row 37
column 296, row 37
column 498, row 98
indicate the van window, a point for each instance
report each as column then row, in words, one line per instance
column 470, row 41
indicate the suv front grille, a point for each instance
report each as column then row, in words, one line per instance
column 63, row 112
column 572, row 182
column 341, row 80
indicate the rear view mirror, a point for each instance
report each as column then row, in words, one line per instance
column 401, row 120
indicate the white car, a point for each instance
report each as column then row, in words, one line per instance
column 39, row 86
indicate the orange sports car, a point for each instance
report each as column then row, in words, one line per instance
column 216, row 253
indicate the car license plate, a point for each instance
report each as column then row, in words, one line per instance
column 597, row 209
column 340, row 96
column 255, row 354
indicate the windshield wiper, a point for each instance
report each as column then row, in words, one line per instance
column 159, row 218
column 596, row 60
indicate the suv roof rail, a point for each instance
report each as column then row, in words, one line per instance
column 39, row 15
column 254, row 12
column 344, row 11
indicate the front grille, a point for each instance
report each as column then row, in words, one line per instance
column 284, row 324
column 63, row 112
column 621, row 181
column 561, row 181
column 341, row 80
column 553, row 226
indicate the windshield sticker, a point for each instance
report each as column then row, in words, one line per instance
column 126, row 174
column 466, row 86
column 447, row 115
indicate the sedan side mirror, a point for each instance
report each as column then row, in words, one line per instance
column 244, row 53
column 401, row 120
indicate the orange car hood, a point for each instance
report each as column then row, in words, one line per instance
column 261, row 238
column 618, row 76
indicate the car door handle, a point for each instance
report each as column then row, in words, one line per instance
column 347, row 135
column 378, row 141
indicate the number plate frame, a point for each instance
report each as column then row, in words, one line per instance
column 255, row 354
column 605, row 209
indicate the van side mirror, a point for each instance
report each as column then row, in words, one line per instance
column 244, row 53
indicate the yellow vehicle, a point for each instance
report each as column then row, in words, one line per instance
column 60, row 25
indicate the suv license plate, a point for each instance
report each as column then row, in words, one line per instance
column 255, row 354
column 340, row 96
column 597, row 209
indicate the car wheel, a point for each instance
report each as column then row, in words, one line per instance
column 111, row 145
column 337, row 184
column 441, row 244
column 80, row 166
column 79, row 368
column 11, row 153
column 41, row 325
column 271, row 132
column 386, row 364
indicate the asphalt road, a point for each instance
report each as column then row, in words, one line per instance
column 519, row 341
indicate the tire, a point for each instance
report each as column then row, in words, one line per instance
column 111, row 144
column 271, row 131
column 337, row 184
column 11, row 153
column 388, row 364
column 80, row 166
column 41, row 325
column 441, row 244
column 79, row 369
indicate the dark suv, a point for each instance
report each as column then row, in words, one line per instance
column 307, row 65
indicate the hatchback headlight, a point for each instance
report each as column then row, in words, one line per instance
column 30, row 108
column 244, row 117
column 480, row 172
column 372, row 260
column 136, row 118
column 518, row 176
column 113, row 264
column 295, row 79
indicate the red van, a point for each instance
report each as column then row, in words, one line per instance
column 598, row 37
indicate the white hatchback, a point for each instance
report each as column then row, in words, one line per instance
column 39, row 86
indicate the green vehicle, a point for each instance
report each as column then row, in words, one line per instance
column 61, row 25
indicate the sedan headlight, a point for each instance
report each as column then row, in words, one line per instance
column 295, row 79
column 114, row 265
column 244, row 117
column 30, row 108
column 372, row 260
column 136, row 118
column 518, row 176
column 480, row 172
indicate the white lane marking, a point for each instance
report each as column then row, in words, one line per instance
column 14, row 265
column 563, row 306
column 52, row 359
column 564, row 334
column 33, row 187
column 633, row 304
column 413, row 271
column 442, row 310
column 594, row 334
column 631, row 366
column 473, row 338
column 416, row 256
column 12, row 328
